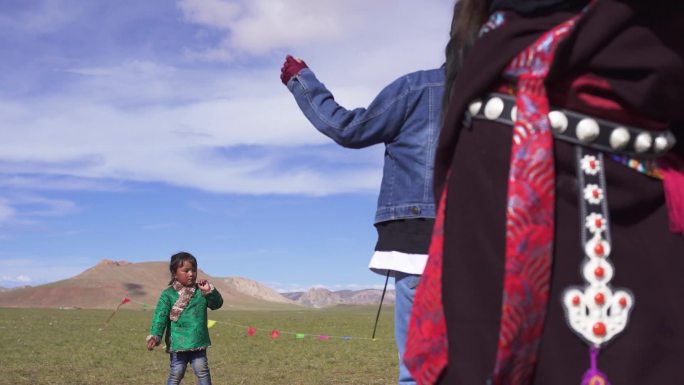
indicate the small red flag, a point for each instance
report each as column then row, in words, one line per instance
column 274, row 334
column 125, row 301
column 251, row 330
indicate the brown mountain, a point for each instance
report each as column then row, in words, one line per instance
column 255, row 289
column 107, row 283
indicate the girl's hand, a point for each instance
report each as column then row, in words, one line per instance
column 151, row 343
column 204, row 286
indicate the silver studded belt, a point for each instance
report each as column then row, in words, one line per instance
column 581, row 129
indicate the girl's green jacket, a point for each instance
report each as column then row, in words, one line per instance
column 190, row 332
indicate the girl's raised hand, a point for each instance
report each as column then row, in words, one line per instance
column 204, row 286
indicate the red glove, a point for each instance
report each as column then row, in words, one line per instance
column 291, row 67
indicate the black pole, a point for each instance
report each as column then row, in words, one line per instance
column 380, row 307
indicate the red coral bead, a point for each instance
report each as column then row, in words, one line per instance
column 599, row 272
column 599, row 298
column 599, row 329
column 592, row 164
column 576, row 300
column 599, row 250
column 623, row 302
column 596, row 193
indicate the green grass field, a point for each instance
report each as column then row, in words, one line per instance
column 69, row 347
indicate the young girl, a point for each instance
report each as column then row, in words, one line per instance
column 182, row 312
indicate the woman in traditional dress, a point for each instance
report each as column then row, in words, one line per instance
column 558, row 252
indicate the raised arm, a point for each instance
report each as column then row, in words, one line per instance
column 357, row 128
column 213, row 297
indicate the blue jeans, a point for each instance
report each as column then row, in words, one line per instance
column 179, row 362
column 405, row 288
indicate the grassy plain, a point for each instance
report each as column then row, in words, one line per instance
column 40, row 346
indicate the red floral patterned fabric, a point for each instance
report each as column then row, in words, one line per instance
column 529, row 214
column 427, row 328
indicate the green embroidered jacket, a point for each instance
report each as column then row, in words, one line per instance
column 190, row 332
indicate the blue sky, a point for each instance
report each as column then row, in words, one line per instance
column 135, row 129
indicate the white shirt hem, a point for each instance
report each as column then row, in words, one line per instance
column 382, row 261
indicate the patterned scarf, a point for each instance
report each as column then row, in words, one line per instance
column 529, row 214
column 529, row 237
column 184, row 295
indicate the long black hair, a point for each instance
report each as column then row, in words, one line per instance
column 178, row 259
column 469, row 16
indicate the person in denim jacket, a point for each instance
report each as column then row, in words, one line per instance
column 406, row 117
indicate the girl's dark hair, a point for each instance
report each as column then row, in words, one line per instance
column 469, row 16
column 178, row 259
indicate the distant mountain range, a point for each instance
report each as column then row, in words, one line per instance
column 104, row 285
column 320, row 297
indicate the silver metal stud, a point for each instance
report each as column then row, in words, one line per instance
column 619, row 138
column 474, row 107
column 587, row 130
column 662, row 143
column 643, row 142
column 494, row 108
column 558, row 120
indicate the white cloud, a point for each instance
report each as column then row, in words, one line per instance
column 44, row 207
column 23, row 278
column 7, row 211
column 215, row 13
column 38, row 270
column 54, row 183
column 128, row 68
column 26, row 209
column 15, row 281
column 258, row 26
column 45, row 17
column 71, row 138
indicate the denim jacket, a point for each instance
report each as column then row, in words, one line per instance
column 405, row 116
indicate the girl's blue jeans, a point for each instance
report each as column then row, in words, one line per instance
column 179, row 362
